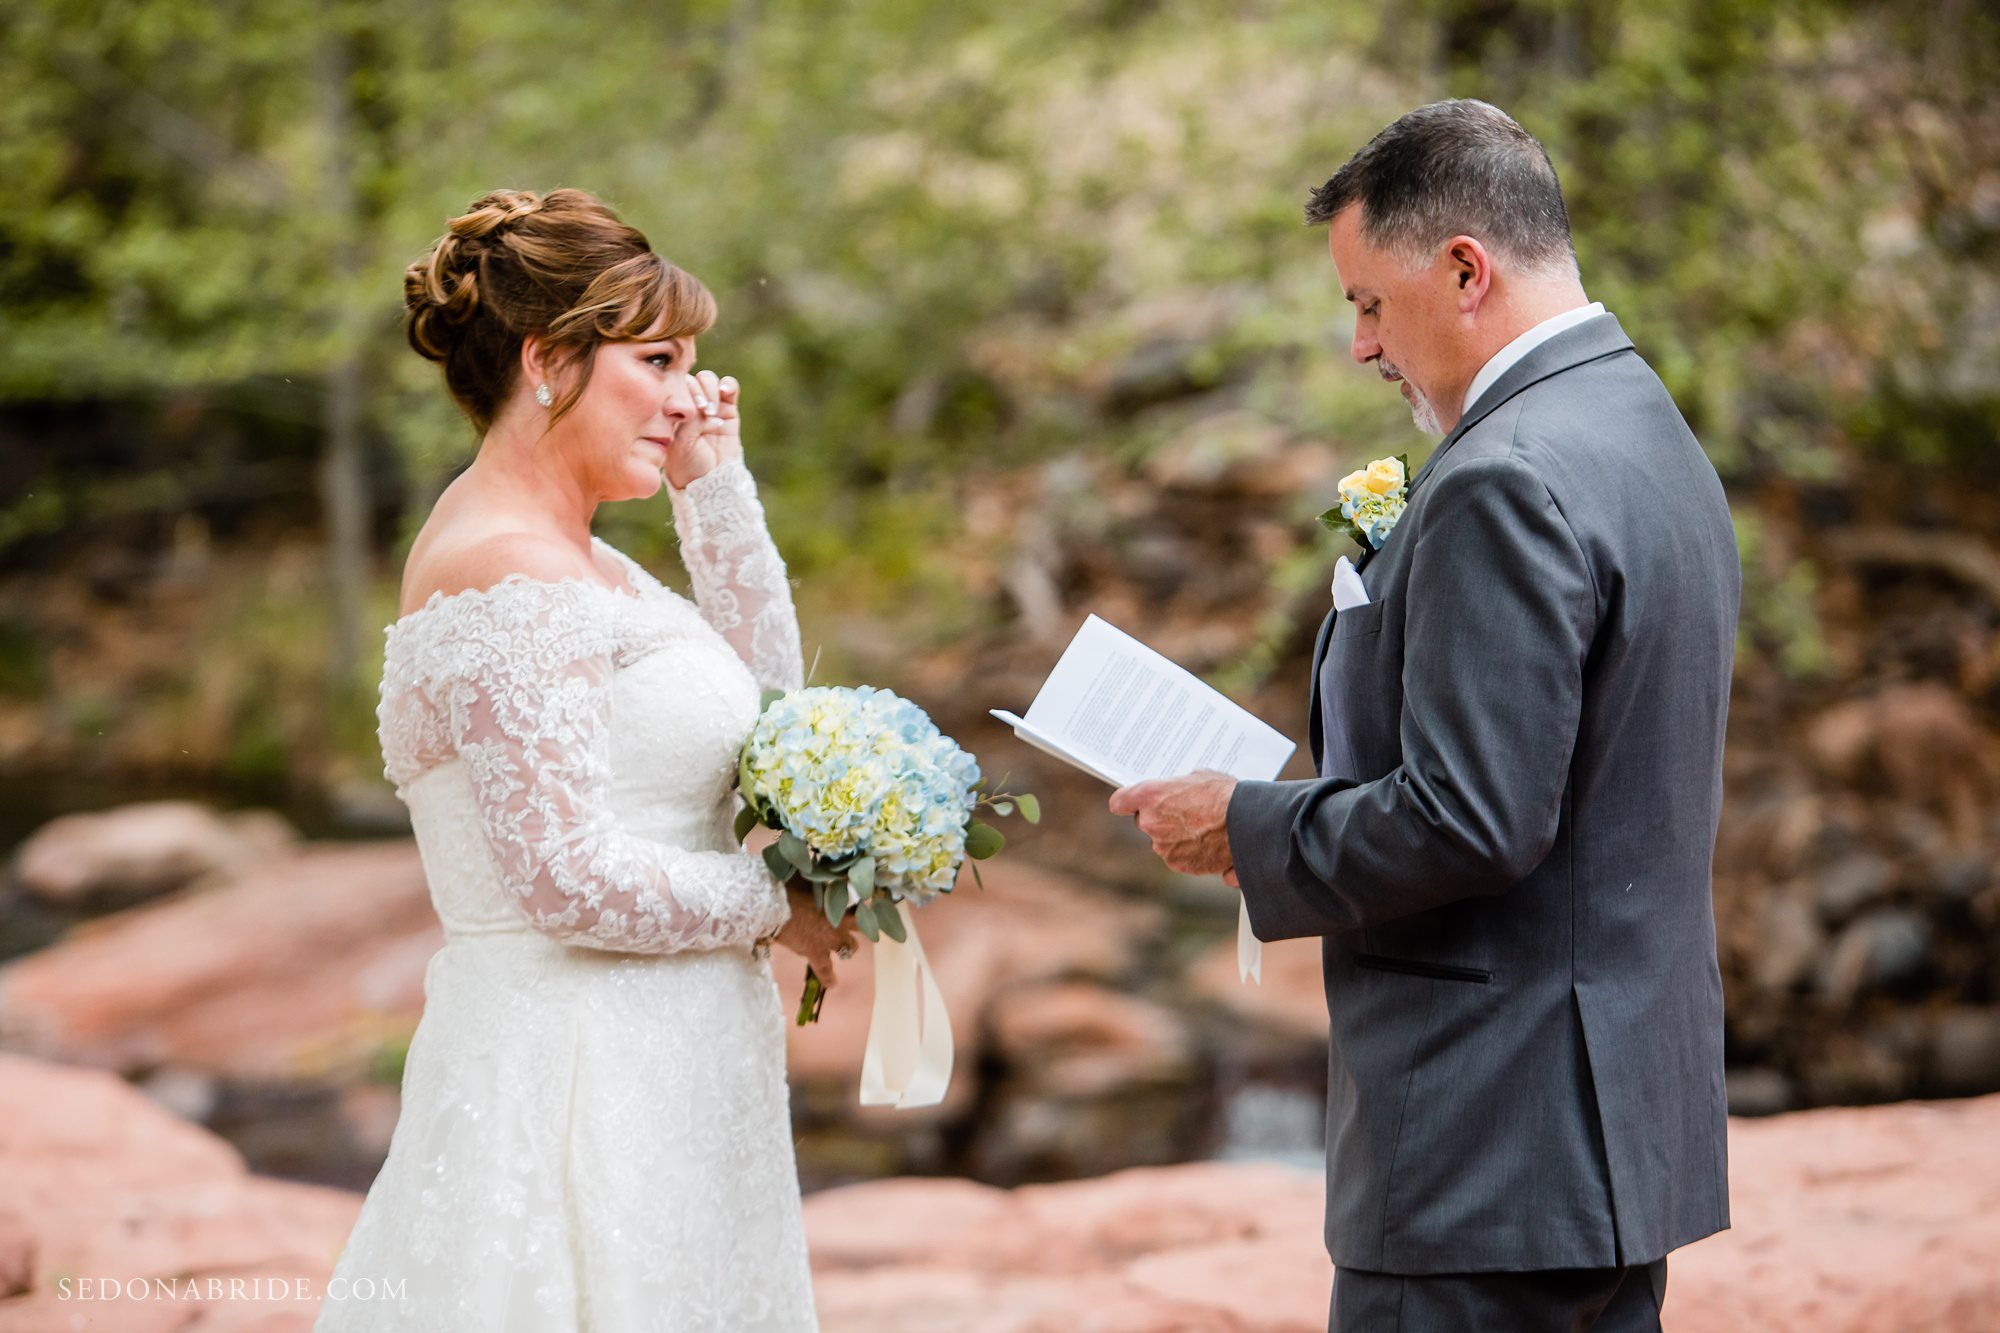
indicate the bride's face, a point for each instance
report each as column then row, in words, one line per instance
column 638, row 399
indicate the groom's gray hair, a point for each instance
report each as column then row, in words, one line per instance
column 1454, row 168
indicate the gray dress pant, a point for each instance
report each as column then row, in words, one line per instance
column 1565, row 1300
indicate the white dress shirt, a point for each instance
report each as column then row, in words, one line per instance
column 1504, row 359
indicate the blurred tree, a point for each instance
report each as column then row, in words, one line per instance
column 946, row 237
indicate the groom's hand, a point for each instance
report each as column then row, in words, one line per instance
column 1187, row 819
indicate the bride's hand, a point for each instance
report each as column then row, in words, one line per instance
column 713, row 436
column 808, row 935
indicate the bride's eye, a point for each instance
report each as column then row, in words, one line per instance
column 662, row 360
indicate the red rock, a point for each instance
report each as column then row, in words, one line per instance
column 1291, row 997
column 17, row 1255
column 120, row 1192
column 136, row 851
column 1027, row 925
column 1847, row 1221
column 301, row 966
column 1274, row 1285
column 1077, row 1039
column 1852, row 1220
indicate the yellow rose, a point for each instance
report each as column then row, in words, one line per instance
column 1354, row 481
column 1383, row 475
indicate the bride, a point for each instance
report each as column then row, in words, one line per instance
column 595, row 1130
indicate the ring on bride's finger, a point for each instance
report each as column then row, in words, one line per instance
column 845, row 951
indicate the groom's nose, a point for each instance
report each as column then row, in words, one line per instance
column 1364, row 348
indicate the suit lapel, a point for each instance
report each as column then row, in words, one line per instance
column 1589, row 341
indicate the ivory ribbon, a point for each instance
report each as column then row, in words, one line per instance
column 1249, row 949
column 908, row 1060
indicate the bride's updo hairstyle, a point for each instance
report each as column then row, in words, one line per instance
column 558, row 265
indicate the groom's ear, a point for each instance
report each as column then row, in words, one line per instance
column 1471, row 267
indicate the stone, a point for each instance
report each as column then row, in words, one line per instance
column 1288, row 998
column 1965, row 1051
column 1846, row 1221
column 117, row 857
column 1790, row 944
column 1852, row 883
column 17, row 1255
column 1028, row 925
column 1078, row 1039
column 301, row 966
column 1758, row 1092
column 1963, row 877
column 115, row 1188
column 1882, row 950
column 1852, row 1220
column 1920, row 742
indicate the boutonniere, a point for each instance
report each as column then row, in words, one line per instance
column 1371, row 501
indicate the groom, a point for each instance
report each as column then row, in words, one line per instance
column 1506, row 855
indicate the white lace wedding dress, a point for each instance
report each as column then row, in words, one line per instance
column 595, row 1129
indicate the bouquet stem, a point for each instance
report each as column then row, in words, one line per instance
column 809, row 1002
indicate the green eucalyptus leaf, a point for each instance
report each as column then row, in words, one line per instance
column 864, row 917
column 1003, row 807
column 833, row 901
column 892, row 921
column 746, row 819
column 862, row 876
column 1031, row 808
column 983, row 840
column 781, row 870
column 795, row 850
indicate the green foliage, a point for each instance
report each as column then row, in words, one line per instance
column 23, row 672
column 1779, row 620
column 387, row 1059
column 949, row 238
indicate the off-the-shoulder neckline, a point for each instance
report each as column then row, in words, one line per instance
column 519, row 579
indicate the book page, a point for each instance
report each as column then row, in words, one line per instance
column 1119, row 710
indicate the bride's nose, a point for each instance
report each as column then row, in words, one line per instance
column 680, row 405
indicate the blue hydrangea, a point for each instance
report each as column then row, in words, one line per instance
column 863, row 770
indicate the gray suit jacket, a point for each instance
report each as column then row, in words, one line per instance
column 1508, row 850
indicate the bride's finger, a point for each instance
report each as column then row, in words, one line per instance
column 727, row 392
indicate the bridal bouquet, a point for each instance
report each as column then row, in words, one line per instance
column 874, row 806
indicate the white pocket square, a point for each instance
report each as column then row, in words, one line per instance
column 1348, row 590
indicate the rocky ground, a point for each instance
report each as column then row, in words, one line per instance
column 1847, row 1221
column 1856, row 892
column 266, row 986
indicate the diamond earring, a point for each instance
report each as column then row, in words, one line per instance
column 543, row 396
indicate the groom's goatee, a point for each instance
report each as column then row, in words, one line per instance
column 1421, row 411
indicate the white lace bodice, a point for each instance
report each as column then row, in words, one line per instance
column 568, row 751
column 595, row 1127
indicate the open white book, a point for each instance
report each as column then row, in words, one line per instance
column 1123, row 713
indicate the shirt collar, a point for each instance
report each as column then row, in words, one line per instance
column 1504, row 359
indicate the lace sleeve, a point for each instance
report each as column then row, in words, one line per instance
column 528, row 708
column 738, row 576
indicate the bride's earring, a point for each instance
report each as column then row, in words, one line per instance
column 543, row 396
